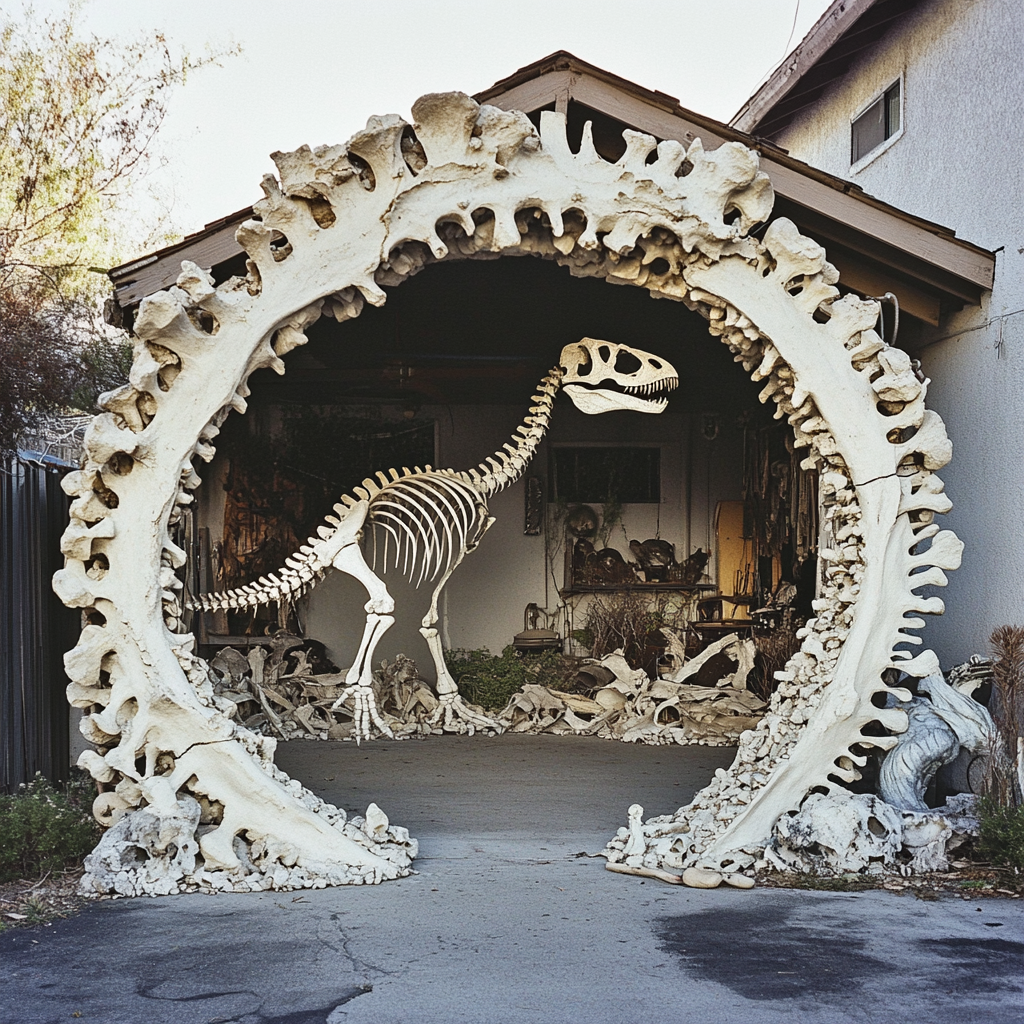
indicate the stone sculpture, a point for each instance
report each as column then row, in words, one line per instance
column 342, row 224
column 435, row 517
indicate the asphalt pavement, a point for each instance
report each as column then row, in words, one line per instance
column 508, row 920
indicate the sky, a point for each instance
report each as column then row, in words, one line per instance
column 313, row 71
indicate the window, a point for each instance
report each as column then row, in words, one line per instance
column 599, row 475
column 881, row 121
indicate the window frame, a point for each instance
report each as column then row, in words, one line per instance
column 654, row 445
column 886, row 144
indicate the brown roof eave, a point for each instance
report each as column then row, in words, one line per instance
column 846, row 21
column 561, row 77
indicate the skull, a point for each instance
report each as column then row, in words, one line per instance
column 601, row 376
column 836, row 833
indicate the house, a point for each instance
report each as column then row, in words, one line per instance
column 576, row 179
column 918, row 104
column 443, row 373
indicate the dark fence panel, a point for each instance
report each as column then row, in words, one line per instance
column 35, row 628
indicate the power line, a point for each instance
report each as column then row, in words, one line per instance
column 970, row 330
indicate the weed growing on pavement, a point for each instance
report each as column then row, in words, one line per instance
column 1001, row 839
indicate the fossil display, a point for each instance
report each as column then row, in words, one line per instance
column 433, row 518
column 337, row 227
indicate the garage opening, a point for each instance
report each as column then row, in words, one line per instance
column 644, row 577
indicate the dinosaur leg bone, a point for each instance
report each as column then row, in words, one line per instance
column 359, row 678
column 452, row 713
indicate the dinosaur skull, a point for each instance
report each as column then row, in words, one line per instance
column 601, row 376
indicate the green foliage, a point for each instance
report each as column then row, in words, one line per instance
column 490, row 680
column 611, row 517
column 1002, row 834
column 78, row 115
column 44, row 829
column 104, row 365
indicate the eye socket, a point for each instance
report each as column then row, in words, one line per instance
column 626, row 362
column 604, row 352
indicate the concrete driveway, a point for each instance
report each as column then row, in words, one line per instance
column 506, row 923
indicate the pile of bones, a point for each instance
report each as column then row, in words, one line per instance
column 275, row 688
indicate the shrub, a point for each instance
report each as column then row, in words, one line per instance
column 44, row 829
column 489, row 680
column 1001, row 839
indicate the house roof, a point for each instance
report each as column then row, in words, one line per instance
column 826, row 53
column 876, row 247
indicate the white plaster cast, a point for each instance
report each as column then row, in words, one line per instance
column 940, row 724
column 341, row 224
column 837, row 832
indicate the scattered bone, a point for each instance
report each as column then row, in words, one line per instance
column 663, row 876
column 702, row 878
column 636, row 709
column 737, row 881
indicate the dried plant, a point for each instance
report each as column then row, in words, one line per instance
column 633, row 622
column 774, row 650
column 1005, row 768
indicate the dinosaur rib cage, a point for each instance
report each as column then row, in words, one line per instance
column 427, row 520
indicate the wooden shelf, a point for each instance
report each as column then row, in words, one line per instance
column 656, row 588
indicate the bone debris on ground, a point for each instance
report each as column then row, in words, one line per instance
column 634, row 708
column 280, row 695
column 631, row 707
column 841, row 832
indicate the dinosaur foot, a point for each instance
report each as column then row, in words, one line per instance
column 365, row 715
column 453, row 714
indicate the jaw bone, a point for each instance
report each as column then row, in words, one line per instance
column 598, row 400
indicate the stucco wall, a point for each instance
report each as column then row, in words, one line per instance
column 959, row 163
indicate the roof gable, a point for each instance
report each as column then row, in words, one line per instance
column 826, row 53
column 876, row 247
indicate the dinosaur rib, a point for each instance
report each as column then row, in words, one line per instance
column 408, row 506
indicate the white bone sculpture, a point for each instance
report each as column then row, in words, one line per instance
column 469, row 180
column 435, row 517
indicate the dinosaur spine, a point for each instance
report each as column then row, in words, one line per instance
column 508, row 465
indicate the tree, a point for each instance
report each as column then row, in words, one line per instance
column 78, row 116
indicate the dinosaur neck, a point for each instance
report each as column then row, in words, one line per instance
column 507, row 465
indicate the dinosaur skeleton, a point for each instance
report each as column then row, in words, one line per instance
column 433, row 518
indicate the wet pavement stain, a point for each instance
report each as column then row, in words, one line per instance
column 976, row 965
column 770, row 957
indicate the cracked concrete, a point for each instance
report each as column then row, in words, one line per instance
column 505, row 922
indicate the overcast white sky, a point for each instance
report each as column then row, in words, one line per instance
column 313, row 71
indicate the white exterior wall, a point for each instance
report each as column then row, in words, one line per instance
column 958, row 162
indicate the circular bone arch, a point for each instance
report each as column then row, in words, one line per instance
column 199, row 793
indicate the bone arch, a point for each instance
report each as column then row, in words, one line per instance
column 478, row 181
